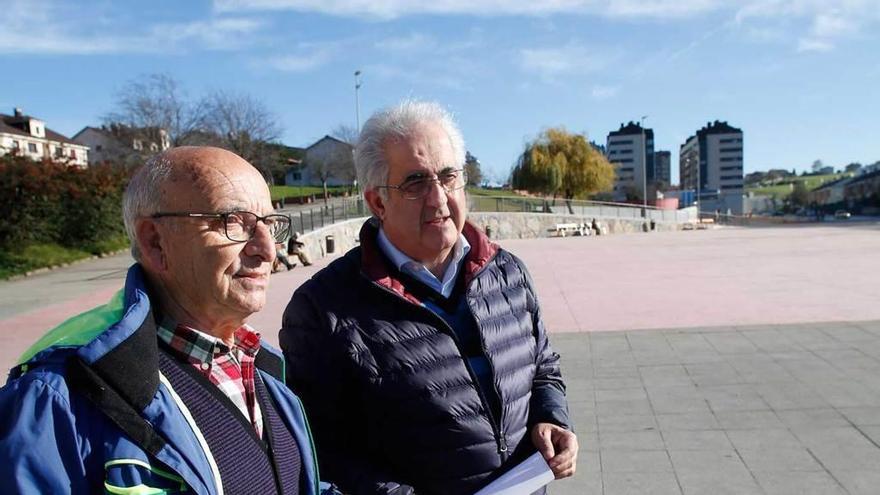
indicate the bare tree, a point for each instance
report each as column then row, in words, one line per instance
column 241, row 124
column 345, row 133
column 337, row 162
column 155, row 101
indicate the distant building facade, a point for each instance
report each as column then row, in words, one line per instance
column 631, row 150
column 121, row 144
column 711, row 161
column 328, row 157
column 28, row 136
column 663, row 167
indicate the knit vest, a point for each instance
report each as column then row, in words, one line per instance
column 247, row 464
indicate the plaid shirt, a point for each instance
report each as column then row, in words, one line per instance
column 232, row 370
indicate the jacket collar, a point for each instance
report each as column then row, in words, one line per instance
column 126, row 355
column 375, row 266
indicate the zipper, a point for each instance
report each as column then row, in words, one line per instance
column 497, row 429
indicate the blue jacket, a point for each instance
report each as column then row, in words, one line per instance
column 87, row 411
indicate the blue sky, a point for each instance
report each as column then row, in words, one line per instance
column 800, row 77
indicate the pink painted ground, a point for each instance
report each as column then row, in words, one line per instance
column 639, row 281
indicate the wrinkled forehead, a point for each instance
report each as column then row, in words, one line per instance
column 424, row 146
column 205, row 188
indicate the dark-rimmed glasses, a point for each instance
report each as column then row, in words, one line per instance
column 417, row 186
column 240, row 226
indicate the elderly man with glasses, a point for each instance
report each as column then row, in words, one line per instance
column 166, row 389
column 421, row 354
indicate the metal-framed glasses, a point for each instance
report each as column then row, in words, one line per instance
column 417, row 186
column 241, row 226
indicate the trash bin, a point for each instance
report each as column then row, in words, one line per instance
column 331, row 244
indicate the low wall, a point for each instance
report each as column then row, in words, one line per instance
column 501, row 226
column 345, row 237
column 533, row 225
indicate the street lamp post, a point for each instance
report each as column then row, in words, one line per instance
column 644, row 168
column 357, row 99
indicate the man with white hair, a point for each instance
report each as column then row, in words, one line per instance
column 166, row 389
column 421, row 354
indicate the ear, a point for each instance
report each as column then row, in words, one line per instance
column 149, row 240
column 376, row 203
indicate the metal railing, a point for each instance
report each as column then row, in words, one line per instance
column 339, row 210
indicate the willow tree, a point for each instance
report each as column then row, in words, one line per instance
column 559, row 163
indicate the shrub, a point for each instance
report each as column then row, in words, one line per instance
column 55, row 202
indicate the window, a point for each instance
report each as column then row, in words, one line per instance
column 622, row 141
column 730, row 140
column 731, row 158
column 73, row 154
column 723, row 169
column 724, row 150
column 296, row 175
column 15, row 145
column 623, row 160
column 98, row 147
column 59, row 152
column 625, row 152
column 731, row 177
column 734, row 186
column 627, row 169
column 32, row 147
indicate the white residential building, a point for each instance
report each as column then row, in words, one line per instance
column 328, row 157
column 631, row 150
column 28, row 136
column 714, row 155
column 121, row 144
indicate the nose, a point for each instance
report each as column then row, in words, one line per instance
column 262, row 244
column 437, row 196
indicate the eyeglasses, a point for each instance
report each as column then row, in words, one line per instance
column 240, row 226
column 417, row 186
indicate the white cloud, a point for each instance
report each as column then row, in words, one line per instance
column 604, row 92
column 47, row 27
column 814, row 45
column 306, row 60
column 553, row 62
column 390, row 9
column 414, row 42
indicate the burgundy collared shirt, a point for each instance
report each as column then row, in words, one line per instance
column 231, row 369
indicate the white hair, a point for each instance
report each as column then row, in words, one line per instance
column 143, row 196
column 399, row 121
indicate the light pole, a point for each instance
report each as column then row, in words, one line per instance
column 698, row 186
column 644, row 168
column 357, row 99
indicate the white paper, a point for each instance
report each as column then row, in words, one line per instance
column 525, row 478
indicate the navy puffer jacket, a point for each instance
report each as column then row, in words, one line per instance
column 390, row 397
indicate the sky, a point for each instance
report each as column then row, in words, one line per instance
column 801, row 78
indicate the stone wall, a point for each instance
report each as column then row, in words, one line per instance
column 501, row 226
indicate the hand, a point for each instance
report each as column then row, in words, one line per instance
column 558, row 446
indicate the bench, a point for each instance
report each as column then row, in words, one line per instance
column 561, row 229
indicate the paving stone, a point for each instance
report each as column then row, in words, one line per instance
column 709, row 374
column 640, row 483
column 862, row 416
column 846, row 437
column 779, row 438
column 665, row 375
column 783, row 396
column 791, row 483
column 627, row 422
column 705, row 472
column 628, row 461
column 621, row 394
column 631, row 440
column 703, row 420
column 731, row 343
column 623, row 407
column 748, row 420
column 843, row 460
column 812, row 418
column 714, row 440
column 860, row 482
column 733, row 398
column 779, row 459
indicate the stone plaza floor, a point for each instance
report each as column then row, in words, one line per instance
column 724, row 361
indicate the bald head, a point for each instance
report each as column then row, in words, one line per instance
column 180, row 179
